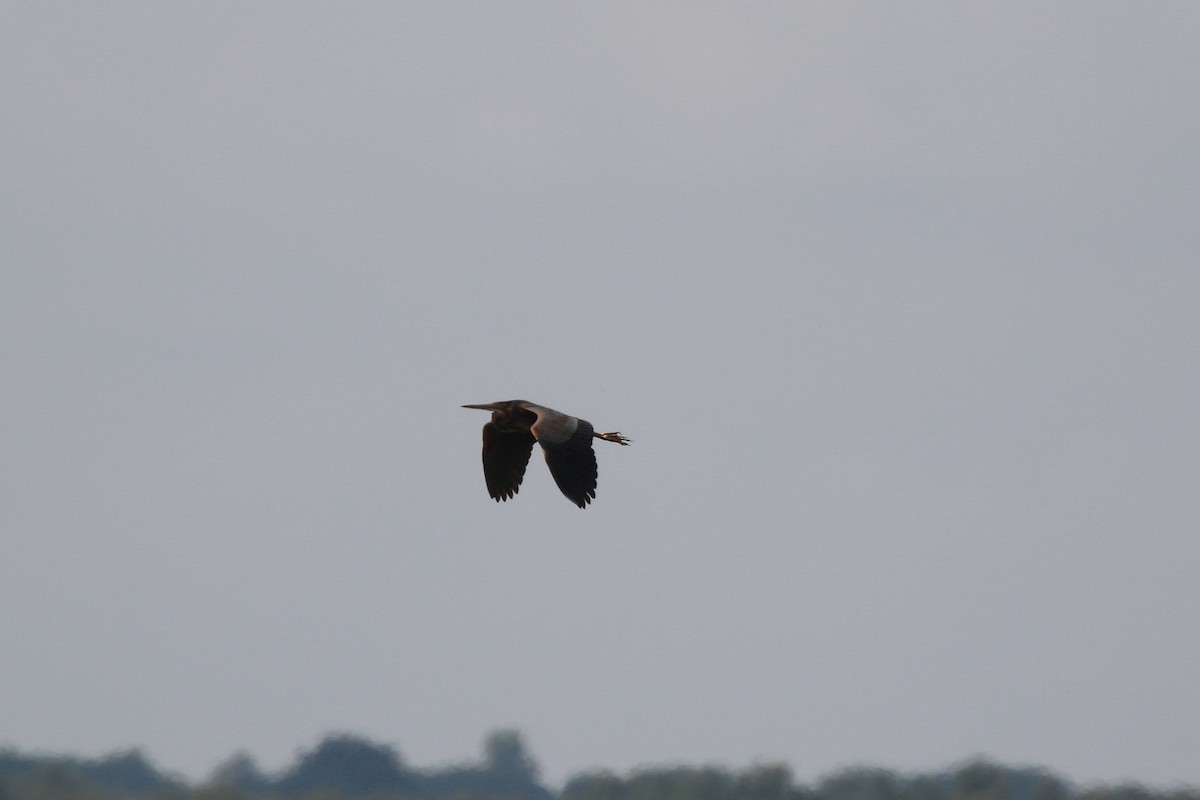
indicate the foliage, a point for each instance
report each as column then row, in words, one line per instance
column 121, row 775
column 346, row 767
column 507, row 771
column 238, row 772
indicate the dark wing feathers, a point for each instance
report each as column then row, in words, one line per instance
column 505, row 455
column 573, row 464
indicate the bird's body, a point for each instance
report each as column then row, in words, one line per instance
column 566, row 441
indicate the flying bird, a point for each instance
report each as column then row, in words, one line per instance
column 566, row 441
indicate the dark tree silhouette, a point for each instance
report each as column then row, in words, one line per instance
column 348, row 764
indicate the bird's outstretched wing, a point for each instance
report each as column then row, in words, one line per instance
column 505, row 456
column 572, row 462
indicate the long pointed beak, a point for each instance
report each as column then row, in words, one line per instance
column 486, row 407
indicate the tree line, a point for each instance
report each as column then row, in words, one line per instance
column 347, row 767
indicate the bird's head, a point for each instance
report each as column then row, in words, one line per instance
column 508, row 414
column 503, row 413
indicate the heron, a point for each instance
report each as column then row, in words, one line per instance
column 566, row 442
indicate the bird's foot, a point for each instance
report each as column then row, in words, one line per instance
column 614, row 437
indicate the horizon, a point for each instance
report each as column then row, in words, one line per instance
column 303, row 752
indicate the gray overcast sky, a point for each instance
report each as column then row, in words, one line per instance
column 899, row 302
